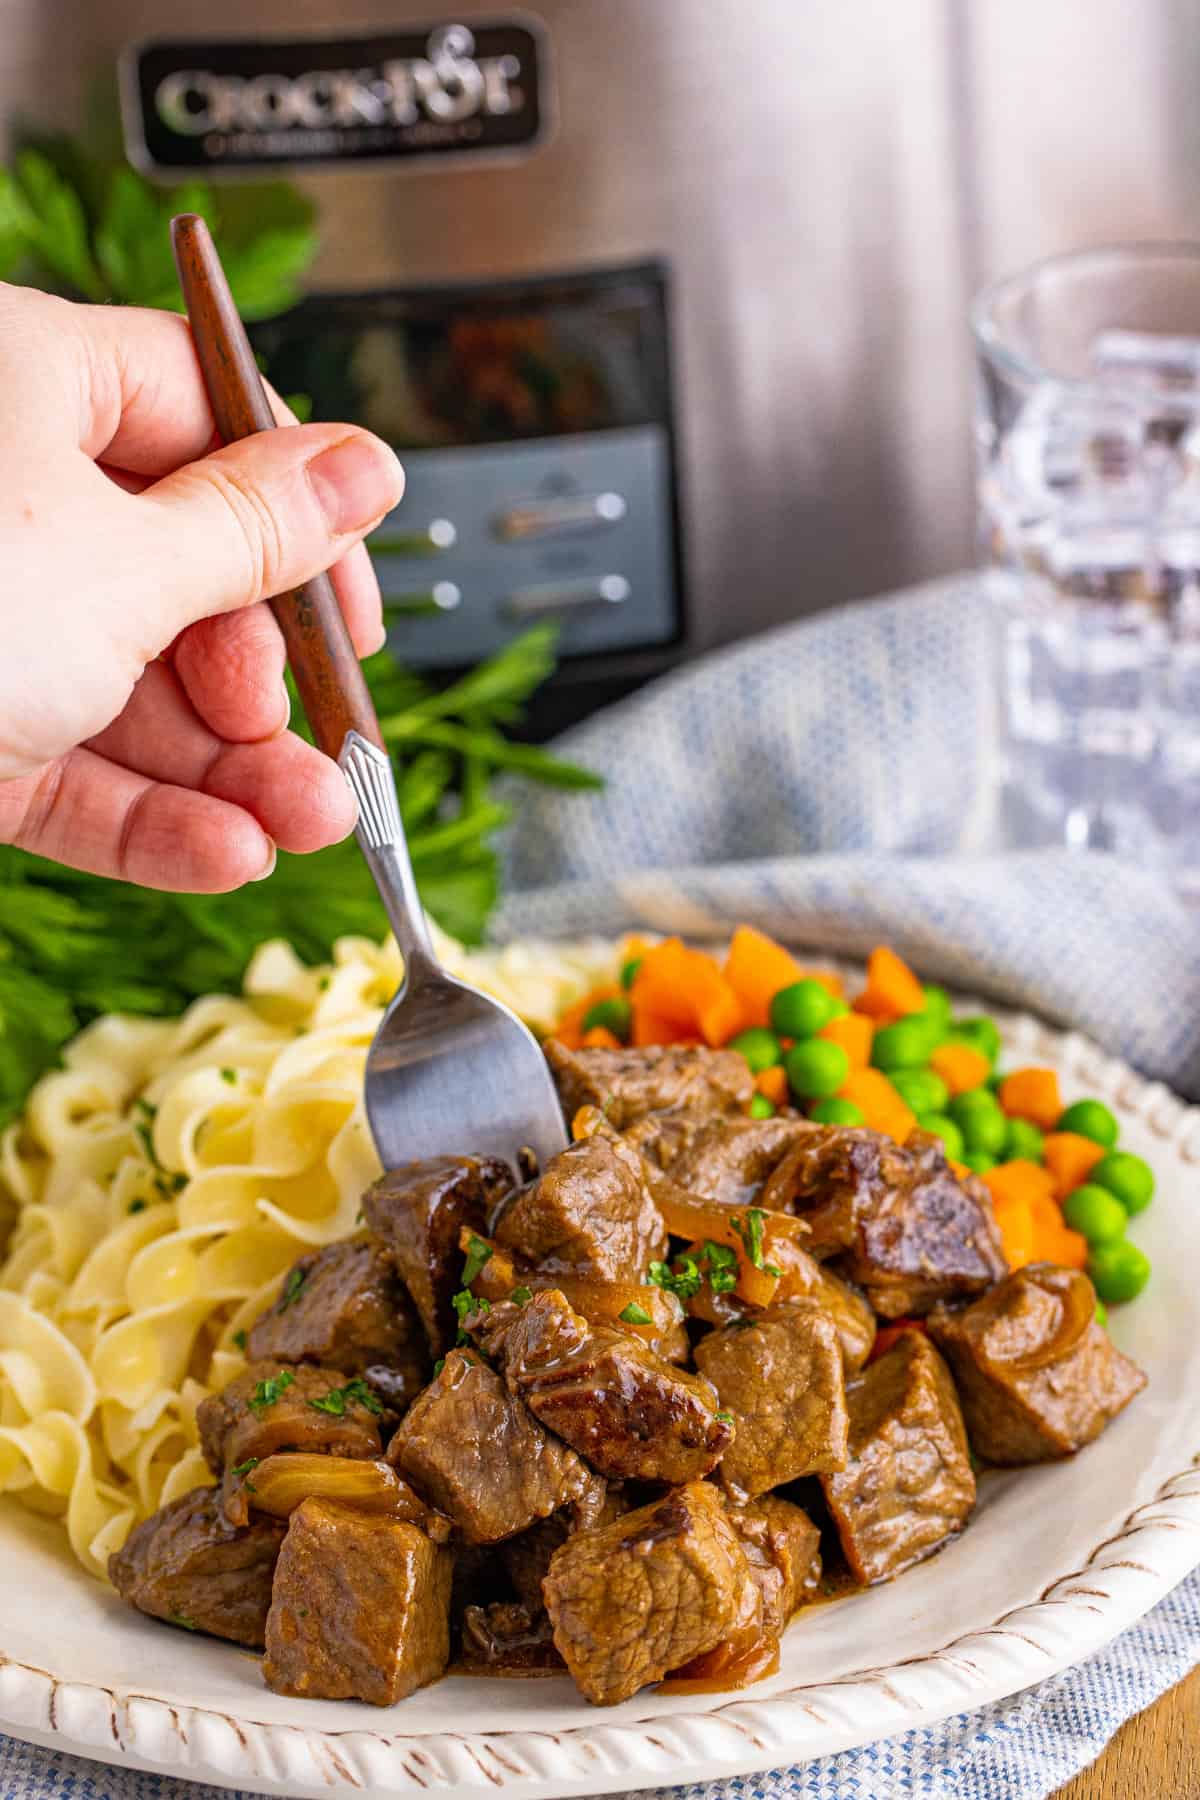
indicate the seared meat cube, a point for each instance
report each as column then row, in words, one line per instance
column 508, row 1638
column 527, row 1557
column 628, row 1084
column 272, row 1406
column 589, row 1214
column 346, row 1308
column 417, row 1214
column 780, row 1373
column 361, row 1608
column 632, row 1600
column 803, row 1279
column 477, row 1454
column 1036, row 1375
column 604, row 1392
column 912, row 1233
column 664, row 1137
column 189, row 1565
column 781, row 1545
column 908, row 1484
column 731, row 1159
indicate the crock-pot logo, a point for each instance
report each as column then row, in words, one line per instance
column 448, row 87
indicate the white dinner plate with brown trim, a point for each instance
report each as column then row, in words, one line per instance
column 1057, row 1560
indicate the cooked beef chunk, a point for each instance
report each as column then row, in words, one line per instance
column 803, row 1279
column 346, row 1308
column 590, row 1214
column 663, row 1137
column 908, row 1484
column 360, row 1610
column 527, row 1557
column 507, row 1638
column 1037, row 1377
column 417, row 1213
column 604, row 1392
column 781, row 1545
column 274, row 1406
column 781, row 1375
column 632, row 1600
column 628, row 1084
column 189, row 1565
column 731, row 1159
column 911, row 1232
column 477, row 1454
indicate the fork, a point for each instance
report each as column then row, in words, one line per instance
column 450, row 1069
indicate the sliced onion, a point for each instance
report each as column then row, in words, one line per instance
column 280, row 1483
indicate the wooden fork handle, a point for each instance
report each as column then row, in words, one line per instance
column 322, row 658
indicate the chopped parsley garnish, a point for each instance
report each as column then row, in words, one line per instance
column 179, row 1618
column 465, row 1304
column 267, row 1392
column 438, row 1366
column 522, row 1295
column 239, row 1338
column 683, row 1281
column 244, row 1468
column 750, row 1230
column 137, row 1206
column 337, row 1399
column 323, row 984
column 293, row 1287
column 634, row 1314
column 479, row 1253
column 229, row 1076
column 722, row 1266
column 725, row 1417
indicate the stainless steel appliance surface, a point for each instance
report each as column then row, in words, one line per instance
column 822, row 186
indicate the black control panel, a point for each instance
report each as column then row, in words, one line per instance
column 535, row 424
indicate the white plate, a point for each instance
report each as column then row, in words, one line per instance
column 1057, row 1561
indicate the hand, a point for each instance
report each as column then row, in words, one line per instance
column 142, row 708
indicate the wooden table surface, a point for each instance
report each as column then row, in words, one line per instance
column 1156, row 1756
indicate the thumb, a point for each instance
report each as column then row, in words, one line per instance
column 253, row 520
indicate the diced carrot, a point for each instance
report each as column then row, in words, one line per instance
column 882, row 1108
column 1070, row 1158
column 600, row 1038
column 886, row 1336
column 892, row 989
column 772, row 1083
column 1032, row 1094
column 1053, row 1241
column 854, row 1032
column 1019, row 1180
column 569, row 1030
column 960, row 1066
column 650, row 1027
column 959, row 1169
column 687, row 986
column 1014, row 1221
column 756, row 967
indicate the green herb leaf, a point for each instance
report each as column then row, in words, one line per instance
column 239, row 1338
column 230, row 1076
column 684, row 1280
column 438, row 1366
column 180, row 1618
column 268, row 1391
column 750, row 1230
column 725, row 1416
column 137, row 1206
column 521, row 1295
column 244, row 1468
column 479, row 1253
column 293, row 1287
column 336, row 1401
column 56, row 225
column 633, row 1314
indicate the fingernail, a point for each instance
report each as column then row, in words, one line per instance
column 356, row 482
column 270, row 868
column 377, row 641
column 285, row 711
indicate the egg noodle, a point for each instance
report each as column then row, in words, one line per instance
column 156, row 1188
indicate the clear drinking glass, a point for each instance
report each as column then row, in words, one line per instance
column 1089, row 495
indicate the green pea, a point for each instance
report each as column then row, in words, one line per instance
column 1097, row 1213
column 761, row 1107
column 837, row 1112
column 613, row 1015
column 760, row 1047
column 940, row 1125
column 1024, row 1141
column 935, row 1025
column 980, row 1032
column 816, row 1068
column 840, row 1007
column 978, row 1161
column 1090, row 1119
column 978, row 1115
column 937, row 1002
column 1101, row 1313
column 1119, row 1272
column 801, row 1010
column 903, row 1045
column 923, row 1089
column 1128, row 1177
column 629, row 972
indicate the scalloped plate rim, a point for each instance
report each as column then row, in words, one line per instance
column 1148, row 1552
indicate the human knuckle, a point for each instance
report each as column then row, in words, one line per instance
column 260, row 528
